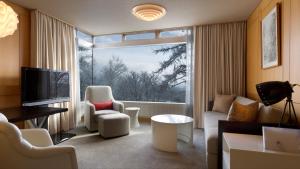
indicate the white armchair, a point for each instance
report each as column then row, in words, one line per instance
column 98, row 94
column 32, row 149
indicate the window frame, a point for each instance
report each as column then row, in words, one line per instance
column 83, row 42
column 155, row 41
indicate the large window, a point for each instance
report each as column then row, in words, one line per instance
column 153, row 72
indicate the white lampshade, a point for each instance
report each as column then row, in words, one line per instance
column 8, row 20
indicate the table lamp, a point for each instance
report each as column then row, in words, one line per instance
column 273, row 92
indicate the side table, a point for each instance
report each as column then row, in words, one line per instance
column 133, row 113
column 168, row 128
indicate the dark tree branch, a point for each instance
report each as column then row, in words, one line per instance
column 176, row 58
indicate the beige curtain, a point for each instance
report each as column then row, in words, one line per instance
column 53, row 46
column 220, row 57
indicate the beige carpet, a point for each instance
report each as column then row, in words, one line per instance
column 135, row 151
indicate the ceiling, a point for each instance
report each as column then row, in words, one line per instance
column 114, row 16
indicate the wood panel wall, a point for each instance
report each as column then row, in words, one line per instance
column 14, row 53
column 290, row 48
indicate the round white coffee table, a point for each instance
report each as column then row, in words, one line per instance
column 167, row 128
column 133, row 113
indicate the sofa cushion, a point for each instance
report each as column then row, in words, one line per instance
column 244, row 100
column 222, row 103
column 241, row 112
column 211, row 118
column 268, row 114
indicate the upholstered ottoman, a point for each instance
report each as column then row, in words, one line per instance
column 113, row 125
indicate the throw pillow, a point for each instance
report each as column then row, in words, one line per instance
column 222, row 103
column 269, row 114
column 105, row 105
column 244, row 113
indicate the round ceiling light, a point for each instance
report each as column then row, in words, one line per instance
column 8, row 20
column 149, row 12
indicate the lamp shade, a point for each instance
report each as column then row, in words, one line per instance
column 274, row 91
column 8, row 20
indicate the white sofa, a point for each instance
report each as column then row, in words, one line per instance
column 32, row 149
column 266, row 114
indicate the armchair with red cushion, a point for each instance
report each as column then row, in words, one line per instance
column 99, row 101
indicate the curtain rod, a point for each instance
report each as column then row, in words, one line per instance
column 54, row 17
column 222, row 23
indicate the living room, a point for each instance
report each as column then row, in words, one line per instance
column 149, row 84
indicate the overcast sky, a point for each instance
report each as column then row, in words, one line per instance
column 137, row 58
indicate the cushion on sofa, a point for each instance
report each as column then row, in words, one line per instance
column 244, row 100
column 222, row 103
column 268, row 114
column 243, row 112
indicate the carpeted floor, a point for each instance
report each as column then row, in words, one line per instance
column 135, row 151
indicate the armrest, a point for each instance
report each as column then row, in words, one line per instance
column 89, row 107
column 119, row 106
column 63, row 155
column 37, row 137
column 52, row 151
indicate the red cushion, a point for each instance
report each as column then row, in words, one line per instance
column 105, row 105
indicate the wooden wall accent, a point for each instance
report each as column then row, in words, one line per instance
column 14, row 53
column 290, row 48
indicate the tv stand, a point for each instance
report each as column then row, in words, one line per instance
column 18, row 114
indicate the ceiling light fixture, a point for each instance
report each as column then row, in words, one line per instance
column 8, row 20
column 149, row 12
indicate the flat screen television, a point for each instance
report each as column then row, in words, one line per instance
column 44, row 86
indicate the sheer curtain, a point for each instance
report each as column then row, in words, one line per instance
column 189, row 95
column 220, row 57
column 53, row 46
